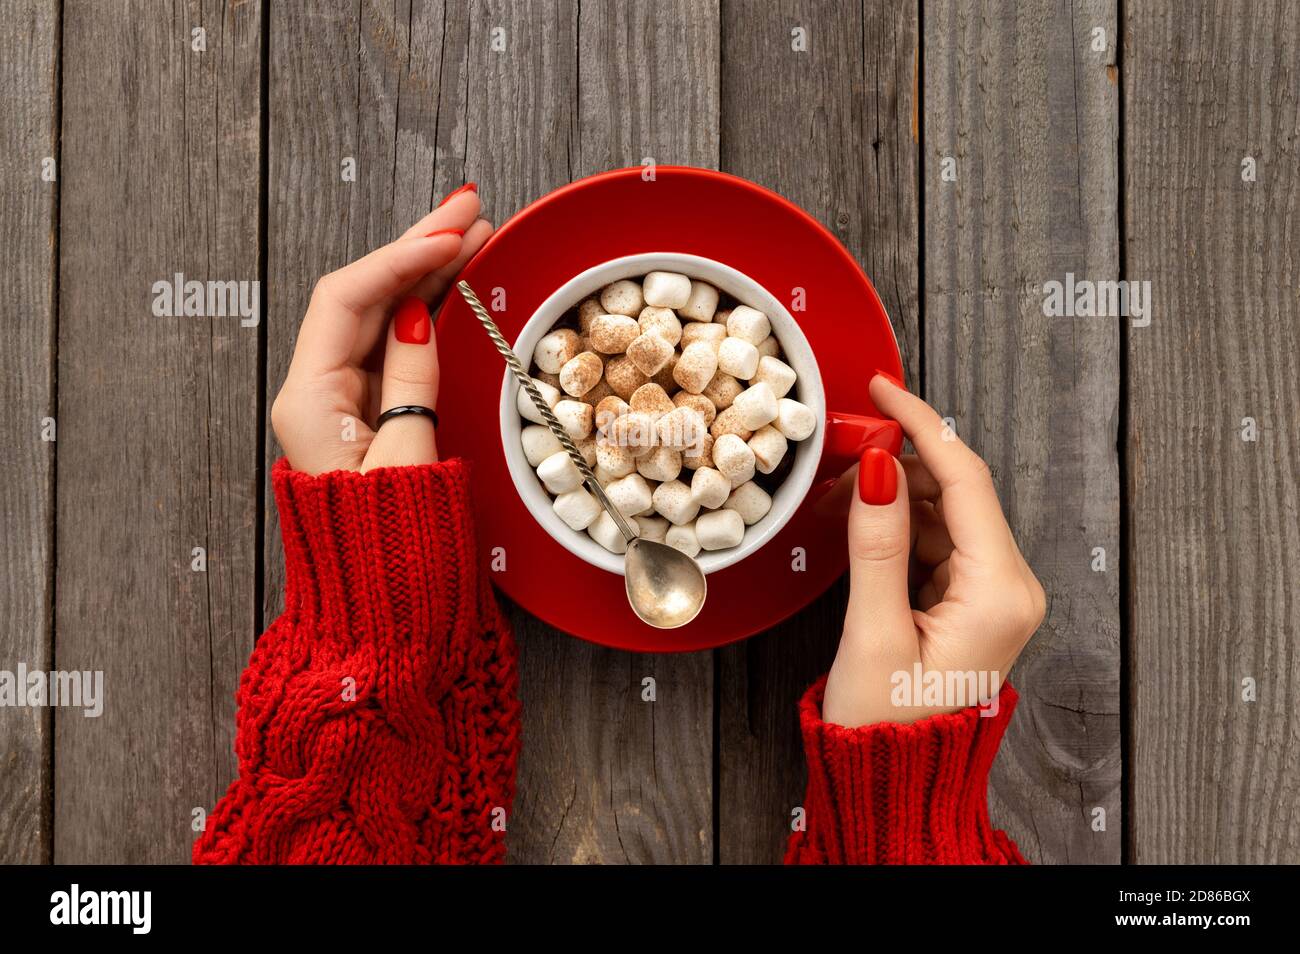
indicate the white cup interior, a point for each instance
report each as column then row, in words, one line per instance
column 796, row 352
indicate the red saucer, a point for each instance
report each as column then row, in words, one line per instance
column 696, row 211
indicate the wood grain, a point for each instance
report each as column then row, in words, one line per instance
column 157, row 419
column 831, row 129
column 382, row 90
column 606, row 776
column 1029, row 112
column 363, row 86
column 1215, row 519
column 29, row 56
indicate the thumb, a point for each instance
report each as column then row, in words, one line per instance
column 879, row 542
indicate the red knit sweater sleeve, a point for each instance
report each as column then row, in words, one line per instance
column 901, row 794
column 378, row 717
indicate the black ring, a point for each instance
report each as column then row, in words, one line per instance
column 408, row 409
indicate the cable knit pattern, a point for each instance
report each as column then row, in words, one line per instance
column 901, row 794
column 378, row 716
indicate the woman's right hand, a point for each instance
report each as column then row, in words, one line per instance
column 351, row 362
column 936, row 518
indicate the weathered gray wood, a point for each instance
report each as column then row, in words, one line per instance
column 1215, row 519
column 384, row 87
column 606, row 777
column 157, row 419
column 831, row 129
column 29, row 53
column 1017, row 96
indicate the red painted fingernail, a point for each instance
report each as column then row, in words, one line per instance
column 467, row 187
column 411, row 323
column 459, row 233
column 877, row 477
column 891, row 379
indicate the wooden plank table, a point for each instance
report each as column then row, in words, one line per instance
column 967, row 154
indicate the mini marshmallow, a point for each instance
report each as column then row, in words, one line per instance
column 538, row 443
column 588, row 311
column 710, row 488
column 605, row 532
column 722, row 390
column 597, row 393
column 701, row 303
column 680, row 428
column 608, row 411
column 651, row 399
column 652, row 528
column 560, row 474
column 556, row 348
column 769, row 446
column 662, row 463
column 673, row 500
column 650, row 352
column 775, row 373
column 737, row 357
column 580, row 374
column 750, row 501
column 719, row 529
column 683, row 538
column 664, row 376
column 756, row 406
column 577, row 508
column 624, row 376
column 734, row 459
column 714, row 334
column 611, row 334
column 728, row 422
column 630, row 494
column 672, row 384
column 576, row 418
column 748, row 323
column 703, row 457
column 528, row 410
column 696, row 367
column 697, row 403
column 661, row 322
column 614, row 460
column 666, row 289
column 622, row 298
column 633, row 431
column 796, row 421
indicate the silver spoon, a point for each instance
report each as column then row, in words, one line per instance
column 665, row 587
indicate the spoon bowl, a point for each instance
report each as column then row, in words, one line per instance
column 665, row 587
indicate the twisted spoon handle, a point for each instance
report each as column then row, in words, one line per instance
column 544, row 409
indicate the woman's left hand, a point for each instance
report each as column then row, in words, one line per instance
column 352, row 362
